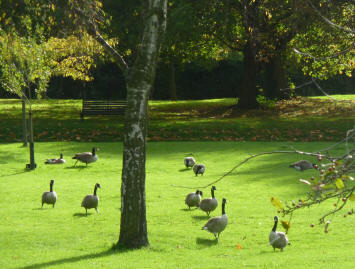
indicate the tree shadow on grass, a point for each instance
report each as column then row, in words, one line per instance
column 109, row 252
column 206, row 242
column 25, row 170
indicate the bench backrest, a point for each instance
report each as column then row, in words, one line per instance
column 103, row 104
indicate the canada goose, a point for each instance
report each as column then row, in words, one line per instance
column 198, row 169
column 209, row 204
column 56, row 161
column 193, row 199
column 217, row 225
column 91, row 200
column 277, row 239
column 189, row 162
column 49, row 197
column 87, row 157
column 303, row 165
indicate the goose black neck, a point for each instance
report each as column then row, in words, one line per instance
column 212, row 192
column 93, row 151
column 95, row 190
column 223, row 208
column 61, row 155
column 275, row 226
column 51, row 186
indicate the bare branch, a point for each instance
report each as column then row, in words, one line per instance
column 330, row 22
column 322, row 58
column 252, row 157
column 320, row 89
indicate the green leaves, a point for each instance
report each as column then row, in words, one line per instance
column 276, row 203
column 339, row 183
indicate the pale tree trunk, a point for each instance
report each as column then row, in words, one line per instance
column 140, row 78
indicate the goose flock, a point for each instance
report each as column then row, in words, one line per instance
column 90, row 200
column 215, row 225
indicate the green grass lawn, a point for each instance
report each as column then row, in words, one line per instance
column 299, row 119
column 64, row 237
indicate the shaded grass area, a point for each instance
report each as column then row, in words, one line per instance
column 64, row 237
column 299, row 119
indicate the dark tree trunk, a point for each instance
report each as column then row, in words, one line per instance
column 172, row 82
column 275, row 78
column 24, row 123
column 248, row 90
column 139, row 79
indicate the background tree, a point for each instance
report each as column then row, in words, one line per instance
column 29, row 56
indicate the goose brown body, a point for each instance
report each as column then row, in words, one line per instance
column 59, row 160
column 189, row 162
column 91, row 200
column 209, row 204
column 302, row 165
column 49, row 197
column 193, row 199
column 277, row 239
column 199, row 169
column 86, row 157
column 217, row 225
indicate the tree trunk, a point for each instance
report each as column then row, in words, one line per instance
column 24, row 124
column 172, row 82
column 275, row 78
column 248, row 90
column 139, row 79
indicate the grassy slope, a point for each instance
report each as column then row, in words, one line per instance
column 302, row 119
column 64, row 237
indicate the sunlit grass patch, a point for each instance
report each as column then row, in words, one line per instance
column 64, row 237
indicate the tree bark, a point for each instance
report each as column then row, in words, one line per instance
column 139, row 79
column 275, row 78
column 248, row 90
column 172, row 82
column 24, row 124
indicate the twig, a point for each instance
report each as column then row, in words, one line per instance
column 330, row 22
column 321, row 220
column 95, row 33
column 251, row 157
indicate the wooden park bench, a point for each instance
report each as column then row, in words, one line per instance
column 103, row 107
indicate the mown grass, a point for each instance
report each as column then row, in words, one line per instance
column 64, row 237
column 298, row 119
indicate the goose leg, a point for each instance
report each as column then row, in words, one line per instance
column 75, row 163
column 97, row 210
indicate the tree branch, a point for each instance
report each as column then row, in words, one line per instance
column 330, row 22
column 252, row 157
column 92, row 30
